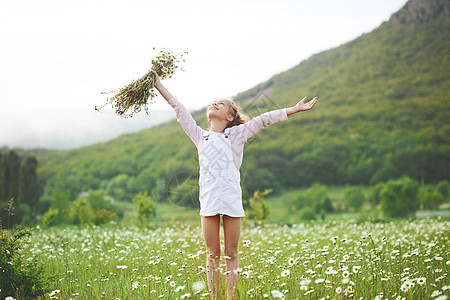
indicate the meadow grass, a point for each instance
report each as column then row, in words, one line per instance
column 333, row 259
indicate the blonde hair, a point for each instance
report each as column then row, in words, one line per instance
column 238, row 118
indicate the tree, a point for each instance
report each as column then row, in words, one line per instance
column 354, row 197
column 118, row 187
column 443, row 187
column 327, row 206
column 399, row 198
column 316, row 196
column 430, row 197
column 28, row 184
column 99, row 200
column 12, row 174
column 2, row 179
column 255, row 179
column 60, row 199
column 375, row 192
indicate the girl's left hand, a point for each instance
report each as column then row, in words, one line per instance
column 157, row 80
column 302, row 106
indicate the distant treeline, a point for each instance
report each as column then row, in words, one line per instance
column 19, row 188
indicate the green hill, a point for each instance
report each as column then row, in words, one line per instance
column 383, row 112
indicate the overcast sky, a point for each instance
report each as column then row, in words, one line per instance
column 56, row 56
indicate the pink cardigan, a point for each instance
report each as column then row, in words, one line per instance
column 238, row 134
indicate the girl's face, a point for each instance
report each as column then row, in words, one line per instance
column 220, row 110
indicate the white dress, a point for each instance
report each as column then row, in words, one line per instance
column 220, row 189
column 220, row 158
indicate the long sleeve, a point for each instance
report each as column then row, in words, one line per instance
column 245, row 131
column 187, row 122
column 241, row 133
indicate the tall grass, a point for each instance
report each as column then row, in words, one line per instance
column 335, row 259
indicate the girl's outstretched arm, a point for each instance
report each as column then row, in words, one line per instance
column 185, row 119
column 161, row 89
column 245, row 131
column 301, row 106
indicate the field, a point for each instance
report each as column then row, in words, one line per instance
column 332, row 259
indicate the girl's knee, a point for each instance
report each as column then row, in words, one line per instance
column 213, row 252
column 231, row 252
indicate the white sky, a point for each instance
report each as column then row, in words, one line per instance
column 56, row 56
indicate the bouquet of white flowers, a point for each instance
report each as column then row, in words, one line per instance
column 135, row 96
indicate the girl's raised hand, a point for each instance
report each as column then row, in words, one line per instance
column 157, row 80
column 301, row 106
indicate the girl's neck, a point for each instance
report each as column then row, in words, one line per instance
column 218, row 125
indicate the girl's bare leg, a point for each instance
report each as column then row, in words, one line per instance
column 231, row 230
column 211, row 234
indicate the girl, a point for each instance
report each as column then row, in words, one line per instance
column 220, row 152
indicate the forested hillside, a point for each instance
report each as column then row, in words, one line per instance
column 383, row 112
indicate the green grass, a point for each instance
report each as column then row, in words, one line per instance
column 336, row 258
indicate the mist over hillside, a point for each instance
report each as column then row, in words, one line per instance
column 82, row 127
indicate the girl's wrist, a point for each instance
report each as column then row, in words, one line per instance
column 158, row 85
column 291, row 110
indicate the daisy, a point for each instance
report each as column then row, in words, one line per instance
column 435, row 293
column 421, row 280
column 179, row 288
column 198, row 286
column 305, row 281
column 277, row 294
column 319, row 280
column 356, row 269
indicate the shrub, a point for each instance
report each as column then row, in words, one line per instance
column 307, row 214
column 431, row 198
column 315, row 196
column 99, row 199
column 23, row 280
column 79, row 211
column 443, row 187
column 399, row 197
column 354, row 197
column 145, row 207
column 258, row 210
column 102, row 216
column 49, row 217
column 375, row 192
